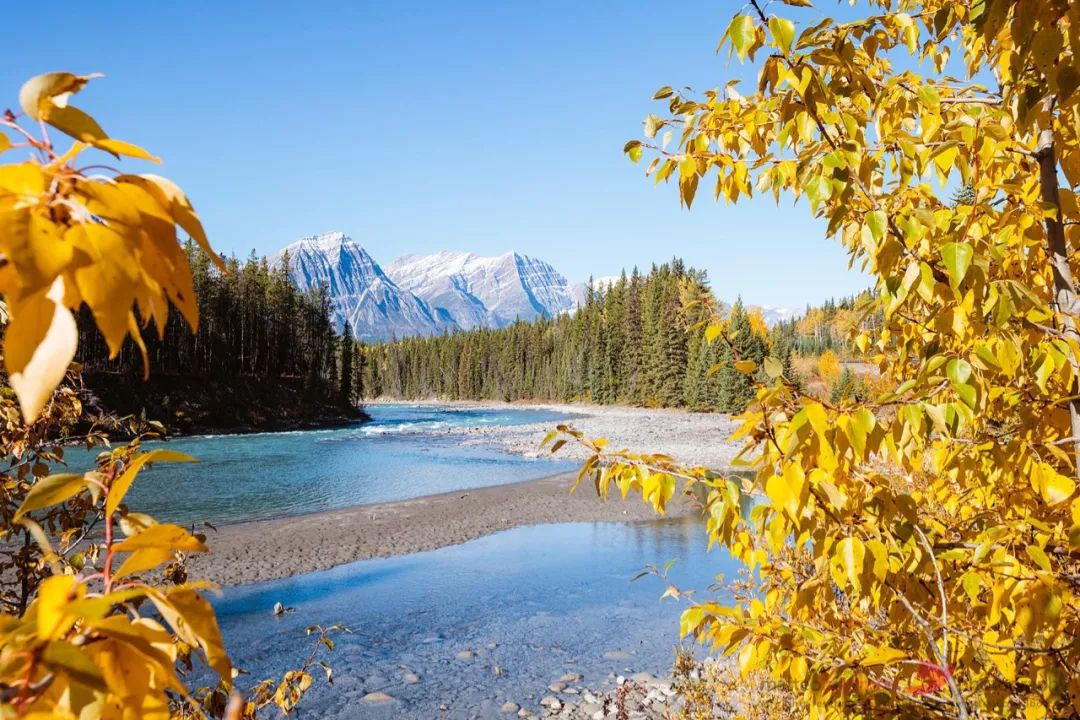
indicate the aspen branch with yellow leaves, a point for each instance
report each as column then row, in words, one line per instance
column 97, row 615
column 916, row 554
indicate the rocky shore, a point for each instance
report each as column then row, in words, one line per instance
column 691, row 438
column 638, row 697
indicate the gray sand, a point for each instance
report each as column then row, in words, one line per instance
column 271, row 549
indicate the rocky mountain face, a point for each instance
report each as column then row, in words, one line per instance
column 362, row 294
column 425, row 294
column 485, row 291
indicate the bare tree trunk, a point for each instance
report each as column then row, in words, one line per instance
column 1065, row 300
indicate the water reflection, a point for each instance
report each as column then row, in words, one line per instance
column 550, row 599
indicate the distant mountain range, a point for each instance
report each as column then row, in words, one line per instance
column 433, row 294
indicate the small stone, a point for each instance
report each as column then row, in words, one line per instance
column 556, row 687
column 591, row 708
column 509, row 707
column 443, row 707
column 465, row 655
column 492, row 646
column 644, row 678
column 571, row 691
column 410, row 678
column 570, row 677
column 523, row 713
column 619, row 680
column 551, row 702
column 375, row 698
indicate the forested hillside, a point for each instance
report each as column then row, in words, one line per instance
column 640, row 342
column 265, row 356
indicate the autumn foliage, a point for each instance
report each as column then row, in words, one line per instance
column 98, row 617
column 917, row 553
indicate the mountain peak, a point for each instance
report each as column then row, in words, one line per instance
column 361, row 294
column 489, row 291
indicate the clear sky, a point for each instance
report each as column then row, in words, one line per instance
column 422, row 126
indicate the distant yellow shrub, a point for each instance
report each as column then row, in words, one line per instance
column 828, row 367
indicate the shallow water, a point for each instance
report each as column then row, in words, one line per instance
column 552, row 598
column 401, row 453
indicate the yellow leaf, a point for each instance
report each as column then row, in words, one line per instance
column 119, row 147
column 142, row 560
column 54, row 594
column 122, row 484
column 193, row 619
column 107, row 283
column 75, row 122
column 164, row 537
column 31, row 241
column 785, row 491
column 883, row 656
column 173, row 198
column 40, row 93
column 39, row 344
column 850, row 552
column 74, row 663
column 1053, row 486
column 50, row 490
column 745, row 366
column 747, row 657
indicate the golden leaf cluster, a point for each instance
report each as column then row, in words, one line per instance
column 917, row 553
column 97, row 616
column 70, row 235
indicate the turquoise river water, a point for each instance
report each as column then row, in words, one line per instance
column 531, row 603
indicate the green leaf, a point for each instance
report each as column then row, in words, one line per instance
column 743, row 34
column 877, row 222
column 773, row 367
column 50, row 490
column 928, row 96
column 959, row 371
column 818, row 190
column 957, row 258
column 783, row 32
column 664, row 92
column 634, row 150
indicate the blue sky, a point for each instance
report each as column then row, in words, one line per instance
column 419, row 126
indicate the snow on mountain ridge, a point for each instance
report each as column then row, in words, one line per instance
column 444, row 291
column 484, row 291
column 361, row 294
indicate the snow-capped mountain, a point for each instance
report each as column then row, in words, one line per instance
column 774, row 314
column 485, row 291
column 432, row 294
column 361, row 293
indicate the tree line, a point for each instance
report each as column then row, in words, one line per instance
column 253, row 322
column 639, row 341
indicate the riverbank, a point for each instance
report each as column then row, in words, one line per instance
column 690, row 437
column 271, row 549
column 188, row 405
column 251, row 552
